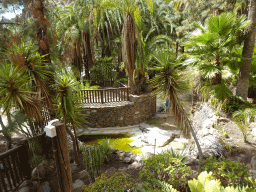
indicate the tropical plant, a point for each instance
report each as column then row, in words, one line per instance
column 207, row 183
column 226, row 171
column 168, row 83
column 168, row 167
column 68, row 105
column 94, row 157
column 14, row 93
column 243, row 119
column 214, row 49
column 119, row 182
column 28, row 60
column 161, row 186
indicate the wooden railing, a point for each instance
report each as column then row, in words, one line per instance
column 14, row 167
column 14, row 164
column 105, row 95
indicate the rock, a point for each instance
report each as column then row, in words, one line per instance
column 208, row 123
column 45, row 187
column 253, row 132
column 24, row 189
column 253, row 163
column 114, row 151
column 135, row 165
column 222, row 119
column 252, row 173
column 39, row 172
column 210, row 142
column 128, row 154
column 120, row 154
column 82, row 175
column 203, row 112
column 78, row 186
column 111, row 171
column 153, row 136
column 128, row 160
column 74, row 168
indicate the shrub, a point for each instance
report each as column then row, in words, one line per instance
column 162, row 186
column 166, row 167
column 119, row 182
column 228, row 172
column 94, row 157
column 243, row 119
column 207, row 183
column 236, row 103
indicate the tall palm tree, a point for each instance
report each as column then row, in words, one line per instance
column 249, row 43
column 169, row 82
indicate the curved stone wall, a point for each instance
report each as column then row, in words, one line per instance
column 137, row 110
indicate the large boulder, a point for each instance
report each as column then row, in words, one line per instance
column 210, row 142
column 204, row 117
column 78, row 185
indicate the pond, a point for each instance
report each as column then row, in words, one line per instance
column 116, row 141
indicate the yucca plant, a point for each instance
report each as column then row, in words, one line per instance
column 28, row 60
column 168, row 83
column 243, row 119
column 68, row 104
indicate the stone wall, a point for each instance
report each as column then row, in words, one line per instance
column 137, row 110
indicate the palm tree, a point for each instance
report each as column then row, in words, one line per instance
column 214, row 45
column 169, row 82
column 68, row 105
column 213, row 50
column 130, row 35
column 249, row 43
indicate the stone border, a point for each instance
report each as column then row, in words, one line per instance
column 135, row 111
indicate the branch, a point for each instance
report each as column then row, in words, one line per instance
column 11, row 23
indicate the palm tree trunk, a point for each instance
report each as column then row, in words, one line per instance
column 217, row 78
column 41, row 31
column 249, row 43
column 182, row 119
column 128, row 49
column 87, row 56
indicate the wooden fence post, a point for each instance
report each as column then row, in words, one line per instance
column 63, row 154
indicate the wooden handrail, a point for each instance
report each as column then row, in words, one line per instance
column 105, row 95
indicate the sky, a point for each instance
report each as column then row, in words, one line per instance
column 9, row 14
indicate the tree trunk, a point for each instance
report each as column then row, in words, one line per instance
column 217, row 78
column 74, row 143
column 87, row 56
column 41, row 29
column 244, row 73
column 128, row 50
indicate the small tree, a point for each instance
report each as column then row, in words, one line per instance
column 68, row 105
column 169, row 82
